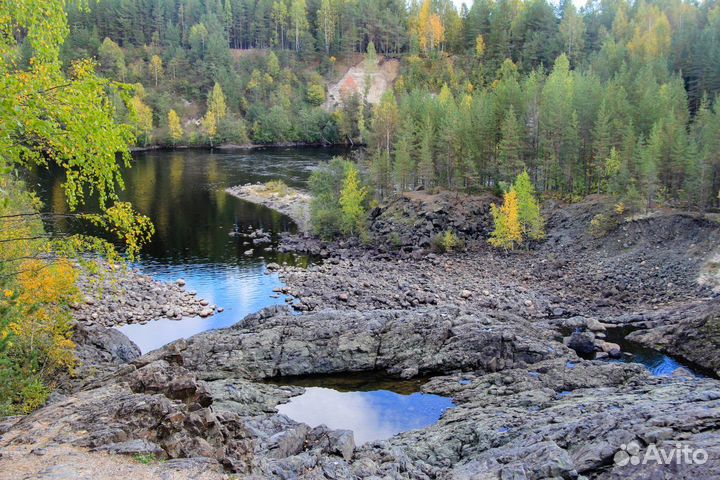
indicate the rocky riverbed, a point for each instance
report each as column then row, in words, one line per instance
column 118, row 296
column 290, row 201
column 503, row 335
column 527, row 406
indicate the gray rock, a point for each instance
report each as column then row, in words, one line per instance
column 582, row 342
column 132, row 447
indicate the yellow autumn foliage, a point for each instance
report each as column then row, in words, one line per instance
column 508, row 232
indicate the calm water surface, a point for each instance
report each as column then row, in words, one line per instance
column 183, row 193
column 373, row 406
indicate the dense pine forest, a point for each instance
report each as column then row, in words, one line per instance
column 615, row 97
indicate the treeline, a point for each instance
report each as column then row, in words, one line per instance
column 618, row 97
column 531, row 33
column 576, row 133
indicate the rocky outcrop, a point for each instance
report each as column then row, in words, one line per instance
column 526, row 405
column 414, row 220
column 276, row 343
column 99, row 351
column 370, row 82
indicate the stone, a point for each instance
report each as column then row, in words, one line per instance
column 608, row 346
column 582, row 342
column 132, row 447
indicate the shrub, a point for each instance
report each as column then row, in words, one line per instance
column 35, row 331
column 145, row 458
column 604, row 223
column 531, row 221
column 339, row 204
column 519, row 216
column 352, row 203
column 277, row 187
column 508, row 232
column 446, row 242
column 395, row 240
column 316, row 93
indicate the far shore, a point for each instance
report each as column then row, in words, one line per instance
column 244, row 146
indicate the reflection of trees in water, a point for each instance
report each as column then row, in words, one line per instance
column 183, row 193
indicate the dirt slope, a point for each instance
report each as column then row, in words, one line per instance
column 380, row 78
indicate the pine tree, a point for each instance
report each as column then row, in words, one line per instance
column 601, row 145
column 649, row 154
column 426, row 165
column 508, row 231
column 371, row 58
column 404, row 168
column 382, row 173
column 510, row 148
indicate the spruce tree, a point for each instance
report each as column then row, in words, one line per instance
column 510, row 149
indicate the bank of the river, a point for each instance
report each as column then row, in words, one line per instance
column 289, row 201
column 239, row 147
column 645, row 274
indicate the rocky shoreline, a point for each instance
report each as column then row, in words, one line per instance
column 119, row 296
column 500, row 334
column 292, row 202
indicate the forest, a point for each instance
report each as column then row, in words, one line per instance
column 616, row 97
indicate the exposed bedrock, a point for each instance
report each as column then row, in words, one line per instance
column 690, row 333
column 527, row 406
column 274, row 342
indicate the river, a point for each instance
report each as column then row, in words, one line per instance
column 183, row 192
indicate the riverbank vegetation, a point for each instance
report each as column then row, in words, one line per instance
column 60, row 115
column 339, row 200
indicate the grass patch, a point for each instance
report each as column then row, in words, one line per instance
column 145, row 458
column 278, row 187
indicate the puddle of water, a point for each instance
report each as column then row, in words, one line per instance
column 373, row 408
column 656, row 362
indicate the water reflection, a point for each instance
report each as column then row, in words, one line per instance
column 372, row 415
column 183, row 193
column 656, row 362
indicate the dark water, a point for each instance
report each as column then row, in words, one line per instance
column 183, row 193
column 373, row 407
column 655, row 361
